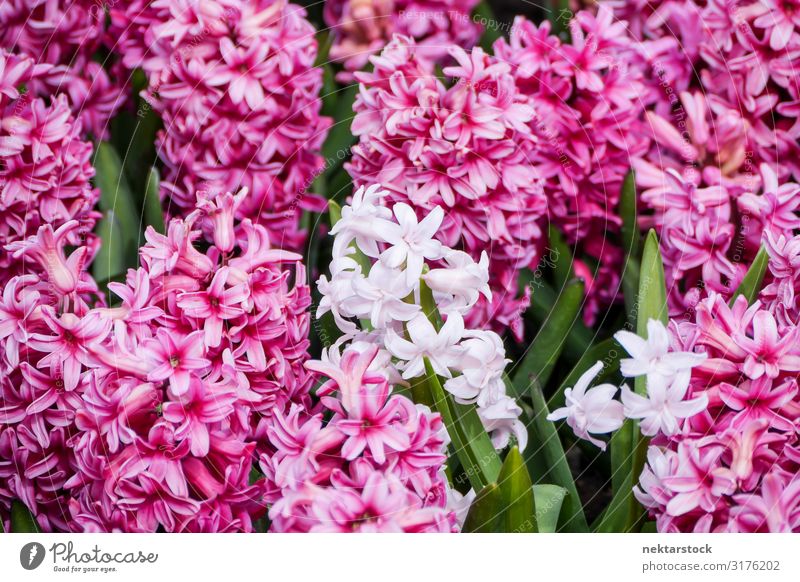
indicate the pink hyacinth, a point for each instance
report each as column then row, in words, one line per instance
column 375, row 466
column 46, row 197
column 711, row 206
column 734, row 465
column 236, row 89
column 587, row 101
column 722, row 98
column 362, row 28
column 466, row 147
column 133, row 417
column 66, row 34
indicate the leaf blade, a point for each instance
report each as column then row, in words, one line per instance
column 516, row 488
column 22, row 520
column 753, row 279
column 544, row 351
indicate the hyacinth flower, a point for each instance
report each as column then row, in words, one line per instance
column 710, row 207
column 745, row 57
column 721, row 99
column 66, row 34
column 362, row 28
column 723, row 454
column 399, row 249
column 376, row 466
column 465, row 147
column 134, row 417
column 237, row 92
column 46, row 196
column 587, row 101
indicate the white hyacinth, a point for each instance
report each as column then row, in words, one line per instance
column 380, row 304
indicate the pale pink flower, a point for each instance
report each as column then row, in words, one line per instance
column 590, row 410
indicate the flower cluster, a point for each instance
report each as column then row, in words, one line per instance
column 782, row 295
column 732, row 464
column 377, row 464
column 468, row 148
column 661, row 410
column 381, row 257
column 236, row 89
column 45, row 167
column 587, row 103
column 363, row 27
column 66, row 34
column 150, row 414
column 722, row 98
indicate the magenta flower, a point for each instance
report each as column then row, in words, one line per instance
column 176, row 360
column 466, row 148
column 18, row 314
column 45, row 179
column 362, row 28
column 698, row 482
column 65, row 36
column 767, row 353
column 71, row 344
column 150, row 503
column 215, row 305
column 733, row 457
column 194, row 410
column 374, row 466
column 161, row 454
column 47, row 248
column 776, row 509
column 235, row 85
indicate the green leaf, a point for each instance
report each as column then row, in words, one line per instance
column 518, row 515
column 334, row 212
column 483, row 13
column 543, row 437
column 652, row 298
column 153, row 213
column 652, row 287
column 559, row 15
column 329, row 91
column 751, row 283
column 543, row 298
column 484, row 513
column 22, row 521
column 616, row 516
column 631, row 244
column 336, row 148
column 559, row 256
column 549, row 499
column 472, row 445
column 625, row 512
column 628, row 209
column 115, row 195
column 546, row 348
column 621, row 459
column 110, row 262
column 419, row 387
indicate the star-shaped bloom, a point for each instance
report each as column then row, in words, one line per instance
column 441, row 348
column 652, row 356
column 664, row 404
column 380, row 296
column 412, row 241
column 591, row 410
column 463, row 279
